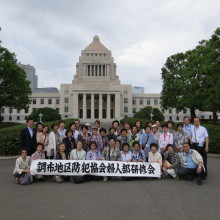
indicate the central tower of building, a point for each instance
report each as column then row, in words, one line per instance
column 96, row 91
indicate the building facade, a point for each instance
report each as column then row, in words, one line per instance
column 95, row 93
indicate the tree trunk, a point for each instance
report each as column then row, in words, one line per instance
column 215, row 116
column 193, row 113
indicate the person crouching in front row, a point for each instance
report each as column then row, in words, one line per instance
column 171, row 162
column 191, row 165
column 22, row 168
column 154, row 155
column 61, row 155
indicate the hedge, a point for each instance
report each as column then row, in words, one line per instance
column 213, row 130
column 10, row 138
column 8, row 124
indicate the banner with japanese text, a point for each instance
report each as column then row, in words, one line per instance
column 94, row 167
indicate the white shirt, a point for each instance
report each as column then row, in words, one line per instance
column 127, row 156
column 199, row 134
column 75, row 135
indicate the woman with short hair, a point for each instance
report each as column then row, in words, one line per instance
column 180, row 138
column 93, row 153
column 43, row 137
column 61, row 155
column 154, row 155
column 69, row 141
column 38, row 155
column 97, row 138
column 138, row 155
column 84, row 137
column 171, row 162
column 134, row 136
column 54, row 141
column 22, row 168
column 126, row 155
column 78, row 154
column 111, row 153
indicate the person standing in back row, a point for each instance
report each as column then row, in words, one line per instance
column 187, row 127
column 200, row 141
column 28, row 137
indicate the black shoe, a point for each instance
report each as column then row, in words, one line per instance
column 199, row 182
column 204, row 177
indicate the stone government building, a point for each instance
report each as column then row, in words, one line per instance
column 95, row 92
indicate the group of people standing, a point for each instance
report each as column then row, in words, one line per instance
column 181, row 153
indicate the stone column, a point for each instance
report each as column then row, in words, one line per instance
column 84, row 106
column 100, row 106
column 117, row 105
column 92, row 106
column 75, row 105
column 108, row 106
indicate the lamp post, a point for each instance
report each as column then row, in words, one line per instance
column 151, row 115
column 40, row 115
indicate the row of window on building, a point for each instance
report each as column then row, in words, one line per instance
column 10, row 110
column 48, row 101
column 20, row 111
column 95, row 54
column 141, row 101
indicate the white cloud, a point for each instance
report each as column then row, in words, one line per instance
column 141, row 34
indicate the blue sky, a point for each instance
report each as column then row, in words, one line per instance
column 141, row 34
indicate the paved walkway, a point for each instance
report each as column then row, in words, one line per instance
column 115, row 199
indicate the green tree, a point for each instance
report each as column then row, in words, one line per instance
column 146, row 112
column 209, row 53
column 14, row 88
column 49, row 114
column 192, row 79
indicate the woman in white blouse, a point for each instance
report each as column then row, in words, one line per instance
column 54, row 141
column 125, row 153
column 78, row 154
column 22, row 167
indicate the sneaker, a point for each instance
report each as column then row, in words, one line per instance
column 16, row 180
column 199, row 182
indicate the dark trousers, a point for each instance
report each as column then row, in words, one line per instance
column 189, row 174
column 202, row 152
column 18, row 175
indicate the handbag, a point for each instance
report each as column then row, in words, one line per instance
column 167, row 163
column 26, row 179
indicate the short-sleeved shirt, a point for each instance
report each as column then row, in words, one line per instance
column 126, row 156
column 188, row 129
column 199, row 134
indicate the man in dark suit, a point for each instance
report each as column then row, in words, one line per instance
column 28, row 137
